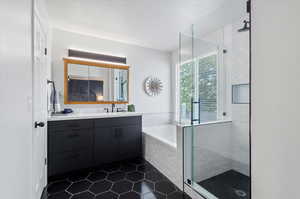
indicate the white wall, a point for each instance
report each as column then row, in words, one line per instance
column 236, row 61
column 143, row 63
column 16, row 99
column 275, row 99
column 238, row 44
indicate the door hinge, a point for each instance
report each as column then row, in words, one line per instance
column 46, row 51
column 248, row 6
column 45, row 161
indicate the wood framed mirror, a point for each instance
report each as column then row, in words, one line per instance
column 93, row 82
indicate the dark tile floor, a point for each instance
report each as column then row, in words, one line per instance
column 228, row 185
column 134, row 179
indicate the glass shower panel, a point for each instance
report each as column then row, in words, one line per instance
column 216, row 135
column 186, row 78
column 201, row 98
column 207, row 60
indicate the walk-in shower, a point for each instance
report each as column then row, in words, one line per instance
column 214, row 106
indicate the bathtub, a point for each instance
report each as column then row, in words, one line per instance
column 165, row 133
column 163, row 148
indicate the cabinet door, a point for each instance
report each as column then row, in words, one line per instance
column 106, row 145
column 130, row 141
column 60, row 163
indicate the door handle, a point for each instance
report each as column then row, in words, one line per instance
column 39, row 124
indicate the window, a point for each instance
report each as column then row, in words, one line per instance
column 207, row 88
column 198, row 86
column 186, row 91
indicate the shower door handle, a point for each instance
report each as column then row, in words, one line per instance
column 192, row 111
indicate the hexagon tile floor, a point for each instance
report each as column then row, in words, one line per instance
column 135, row 179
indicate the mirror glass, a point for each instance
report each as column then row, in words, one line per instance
column 96, row 84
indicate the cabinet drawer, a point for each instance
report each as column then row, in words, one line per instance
column 120, row 121
column 70, row 140
column 69, row 124
column 60, row 163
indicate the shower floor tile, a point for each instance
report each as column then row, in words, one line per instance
column 228, row 185
column 132, row 179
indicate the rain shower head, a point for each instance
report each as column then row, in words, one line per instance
column 246, row 26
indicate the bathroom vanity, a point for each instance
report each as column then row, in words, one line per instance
column 78, row 142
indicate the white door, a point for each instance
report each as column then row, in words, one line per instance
column 39, row 108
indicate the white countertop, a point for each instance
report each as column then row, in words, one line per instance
column 75, row 116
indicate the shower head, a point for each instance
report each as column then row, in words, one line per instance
column 246, row 26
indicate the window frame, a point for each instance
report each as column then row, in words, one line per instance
column 221, row 86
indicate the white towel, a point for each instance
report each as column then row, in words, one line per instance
column 52, row 98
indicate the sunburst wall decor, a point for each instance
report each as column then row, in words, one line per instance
column 153, row 86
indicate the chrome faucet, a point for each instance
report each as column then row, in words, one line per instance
column 113, row 107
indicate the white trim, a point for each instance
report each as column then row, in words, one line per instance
column 208, row 123
column 221, row 84
column 177, row 93
column 200, row 57
column 44, row 29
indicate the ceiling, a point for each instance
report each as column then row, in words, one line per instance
column 149, row 23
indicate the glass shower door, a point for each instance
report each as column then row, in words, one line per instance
column 216, row 132
column 199, row 99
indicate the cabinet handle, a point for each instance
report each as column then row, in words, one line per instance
column 118, row 132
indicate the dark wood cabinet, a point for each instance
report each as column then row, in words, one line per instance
column 80, row 144
column 130, row 141
column 60, row 163
column 106, row 145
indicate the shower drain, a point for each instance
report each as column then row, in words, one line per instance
column 240, row 193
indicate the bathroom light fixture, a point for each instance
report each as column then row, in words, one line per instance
column 89, row 51
column 96, row 61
